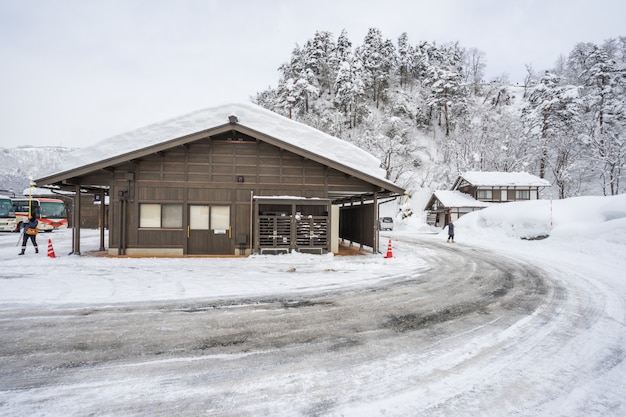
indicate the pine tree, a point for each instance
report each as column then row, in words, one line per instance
column 377, row 61
column 342, row 52
column 297, row 85
column 551, row 118
column 268, row 99
column 350, row 93
column 319, row 54
column 405, row 53
column 605, row 104
column 447, row 98
column 578, row 62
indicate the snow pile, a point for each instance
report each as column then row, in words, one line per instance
column 597, row 218
column 529, row 219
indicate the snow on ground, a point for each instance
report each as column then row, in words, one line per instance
column 584, row 232
column 582, row 372
column 35, row 279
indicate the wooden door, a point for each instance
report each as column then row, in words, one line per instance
column 220, row 234
column 209, row 231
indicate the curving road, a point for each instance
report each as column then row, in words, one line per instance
column 474, row 334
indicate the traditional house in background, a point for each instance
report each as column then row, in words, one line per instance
column 476, row 190
column 445, row 205
column 232, row 179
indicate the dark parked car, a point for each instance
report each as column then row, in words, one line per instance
column 385, row 223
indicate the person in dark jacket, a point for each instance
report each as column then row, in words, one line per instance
column 30, row 231
column 451, row 232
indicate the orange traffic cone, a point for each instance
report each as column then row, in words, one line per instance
column 50, row 250
column 389, row 252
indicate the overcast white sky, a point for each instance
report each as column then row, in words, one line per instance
column 74, row 72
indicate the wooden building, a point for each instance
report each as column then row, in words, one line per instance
column 499, row 187
column 476, row 190
column 234, row 179
column 445, row 206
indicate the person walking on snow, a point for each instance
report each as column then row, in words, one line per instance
column 450, row 232
column 30, row 231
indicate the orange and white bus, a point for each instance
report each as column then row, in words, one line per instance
column 7, row 214
column 50, row 212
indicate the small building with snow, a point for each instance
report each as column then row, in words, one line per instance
column 476, row 190
column 446, row 205
column 232, row 179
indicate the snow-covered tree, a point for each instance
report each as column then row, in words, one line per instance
column 377, row 58
column 605, row 104
column 398, row 100
column 389, row 138
column 405, row 58
column 343, row 51
column 493, row 141
column 319, row 53
column 350, row 93
column 297, row 85
column 474, row 64
column 578, row 62
column 551, row 119
column 447, row 96
column 421, row 61
column 268, row 99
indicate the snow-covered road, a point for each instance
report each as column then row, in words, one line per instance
column 438, row 330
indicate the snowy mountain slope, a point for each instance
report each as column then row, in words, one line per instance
column 19, row 165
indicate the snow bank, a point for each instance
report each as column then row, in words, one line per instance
column 598, row 218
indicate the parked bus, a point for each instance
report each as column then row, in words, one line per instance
column 50, row 212
column 7, row 214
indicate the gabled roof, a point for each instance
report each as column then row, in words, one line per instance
column 455, row 199
column 248, row 118
column 500, row 179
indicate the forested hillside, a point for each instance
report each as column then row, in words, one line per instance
column 427, row 112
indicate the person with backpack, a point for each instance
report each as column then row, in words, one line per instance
column 451, row 232
column 30, row 232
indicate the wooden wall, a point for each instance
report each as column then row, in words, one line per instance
column 215, row 172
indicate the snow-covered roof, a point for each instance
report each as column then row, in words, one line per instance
column 458, row 199
column 39, row 191
column 286, row 197
column 248, row 115
column 495, row 179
